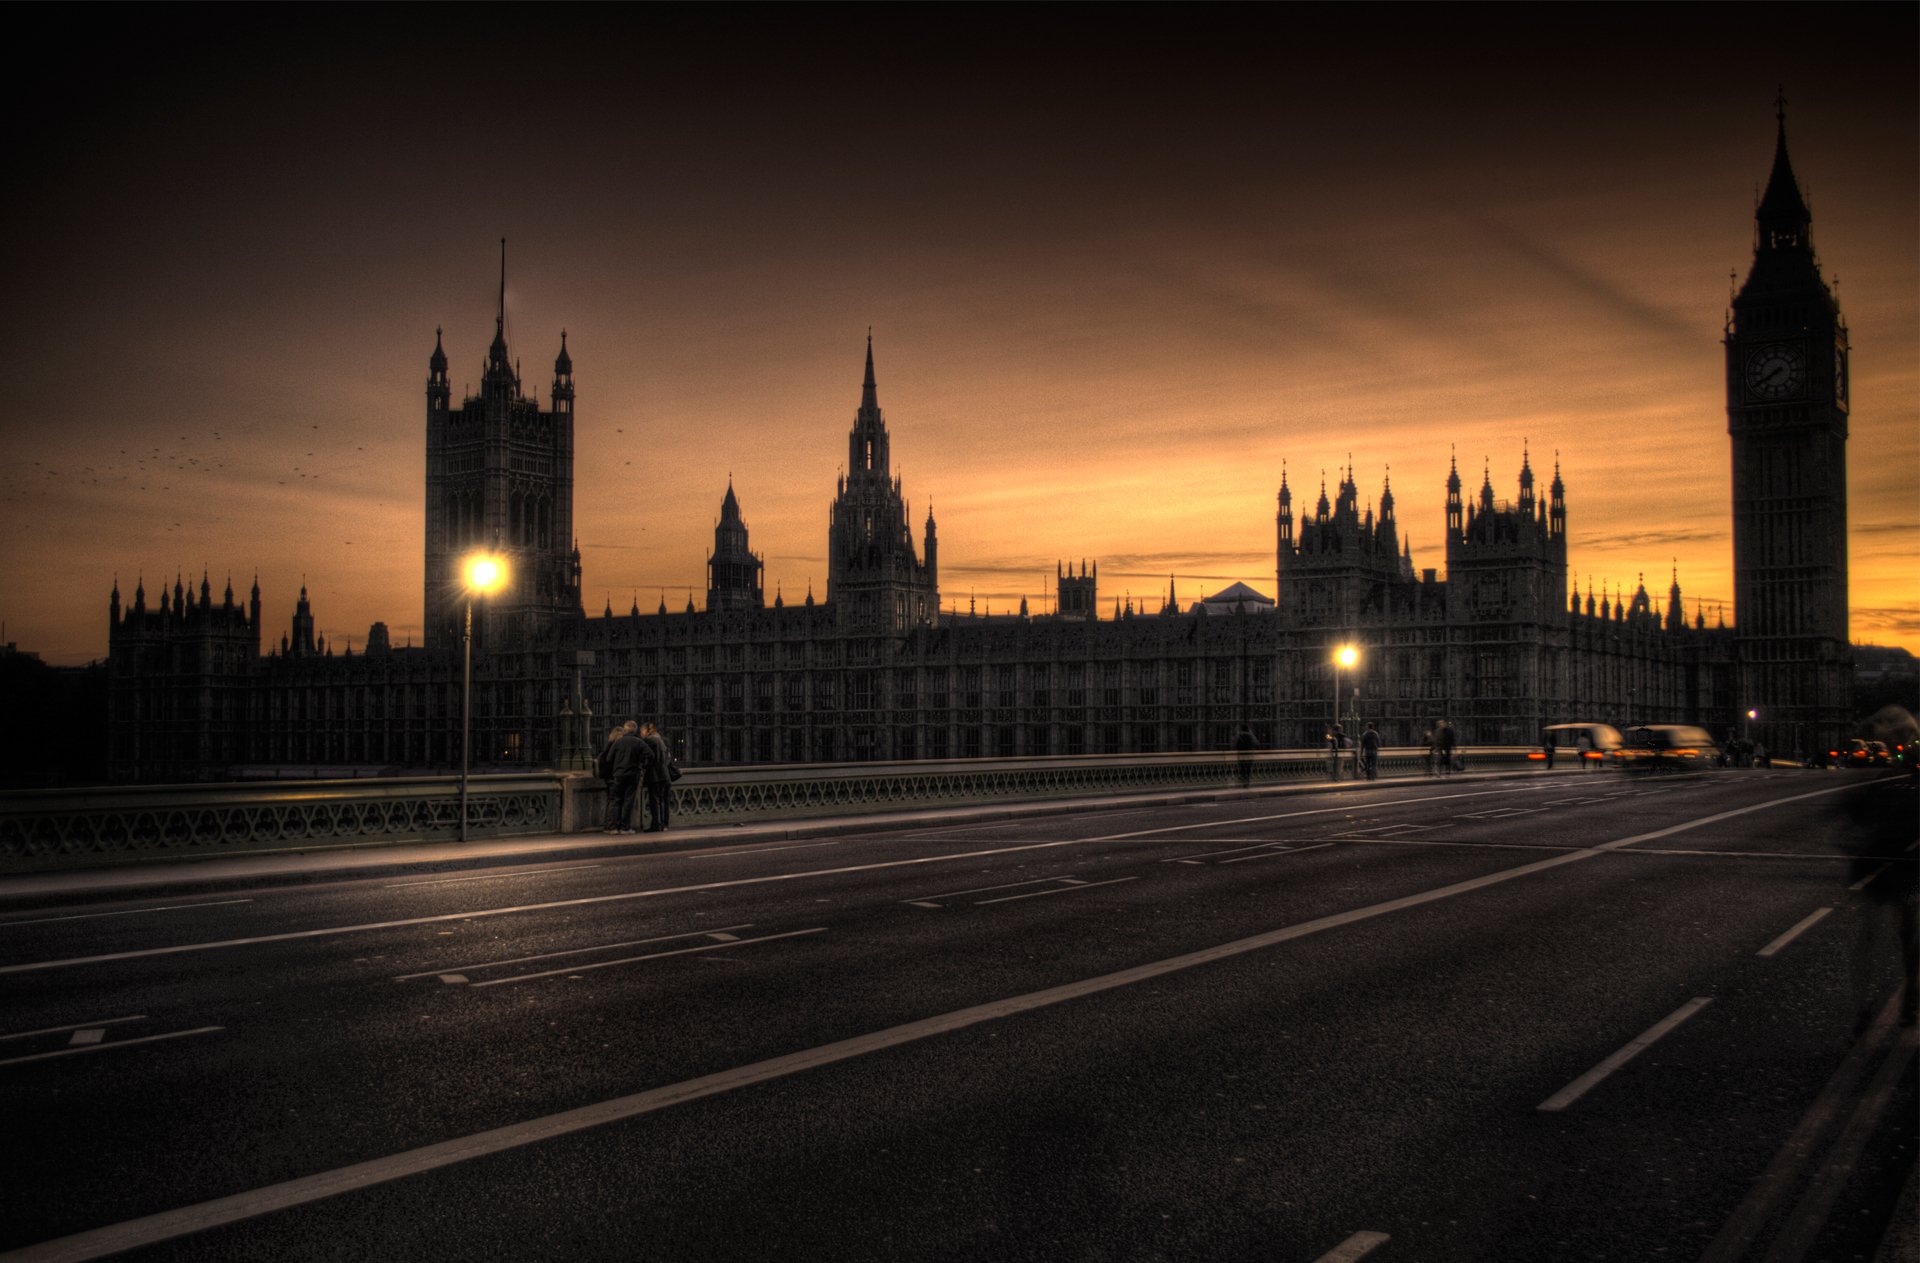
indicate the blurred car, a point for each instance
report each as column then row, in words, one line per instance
column 1592, row 744
column 1667, row 748
column 1855, row 753
column 1878, row 754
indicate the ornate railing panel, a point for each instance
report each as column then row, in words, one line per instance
column 93, row 827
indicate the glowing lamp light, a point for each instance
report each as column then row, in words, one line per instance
column 485, row 573
column 1347, row 655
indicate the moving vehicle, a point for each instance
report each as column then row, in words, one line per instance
column 1591, row 744
column 1667, row 748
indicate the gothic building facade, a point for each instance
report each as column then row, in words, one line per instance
column 1502, row 644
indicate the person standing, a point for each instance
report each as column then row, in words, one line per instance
column 623, row 760
column 1336, row 742
column 1444, row 739
column 659, row 780
column 1370, row 752
column 1431, row 742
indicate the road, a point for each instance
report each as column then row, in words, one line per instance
column 1586, row 1017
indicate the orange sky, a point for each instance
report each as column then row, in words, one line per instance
column 1115, row 280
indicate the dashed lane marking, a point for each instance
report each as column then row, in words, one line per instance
column 518, row 872
column 750, row 850
column 932, row 901
column 576, row 970
column 91, row 1035
column 1586, row 1082
column 72, row 1026
column 127, row 912
column 1238, row 850
column 1866, row 881
column 1062, row 890
column 578, row 951
column 1298, row 850
column 584, row 901
column 1358, row 1246
column 1800, row 927
column 304, row 1190
column 114, row 1046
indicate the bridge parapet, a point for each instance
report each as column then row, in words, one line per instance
column 85, row 828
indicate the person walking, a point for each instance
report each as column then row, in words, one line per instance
column 1444, row 741
column 1243, row 751
column 659, row 769
column 1336, row 742
column 1370, row 752
column 623, row 759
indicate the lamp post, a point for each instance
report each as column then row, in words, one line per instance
column 1746, row 735
column 483, row 574
column 1344, row 656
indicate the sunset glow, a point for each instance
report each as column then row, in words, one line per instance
column 1114, row 287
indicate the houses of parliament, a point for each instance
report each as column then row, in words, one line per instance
column 1500, row 644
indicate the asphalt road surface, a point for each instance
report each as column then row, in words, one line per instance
column 1586, row 1017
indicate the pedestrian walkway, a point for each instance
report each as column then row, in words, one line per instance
column 350, row 863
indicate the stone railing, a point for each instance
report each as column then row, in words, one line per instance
column 85, row 828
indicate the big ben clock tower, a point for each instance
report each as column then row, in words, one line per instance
column 1787, row 412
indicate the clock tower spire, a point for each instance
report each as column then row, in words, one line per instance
column 1786, row 344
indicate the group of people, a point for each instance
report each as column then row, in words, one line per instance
column 637, row 756
column 1367, row 756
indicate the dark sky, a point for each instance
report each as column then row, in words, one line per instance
column 1119, row 263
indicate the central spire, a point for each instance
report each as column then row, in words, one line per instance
column 497, row 353
column 869, row 395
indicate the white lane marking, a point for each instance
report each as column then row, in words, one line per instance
column 634, row 960
column 91, row 1035
column 1063, row 890
column 1800, row 927
column 166, row 1225
column 438, row 918
column 1294, row 815
column 1866, row 881
column 748, row 850
column 293, row 935
column 1585, row 1083
column 721, row 936
column 1389, row 830
column 918, row 903
column 74, row 1026
column 518, row 872
column 117, row 1044
column 980, row 890
column 129, row 912
column 1358, row 1246
column 1238, row 850
column 578, row 951
column 1298, row 850
column 453, row 980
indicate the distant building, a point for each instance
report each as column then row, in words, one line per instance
column 1503, row 644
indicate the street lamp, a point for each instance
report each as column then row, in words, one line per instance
column 1344, row 656
column 482, row 574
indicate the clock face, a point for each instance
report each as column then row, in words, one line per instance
column 1774, row 372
